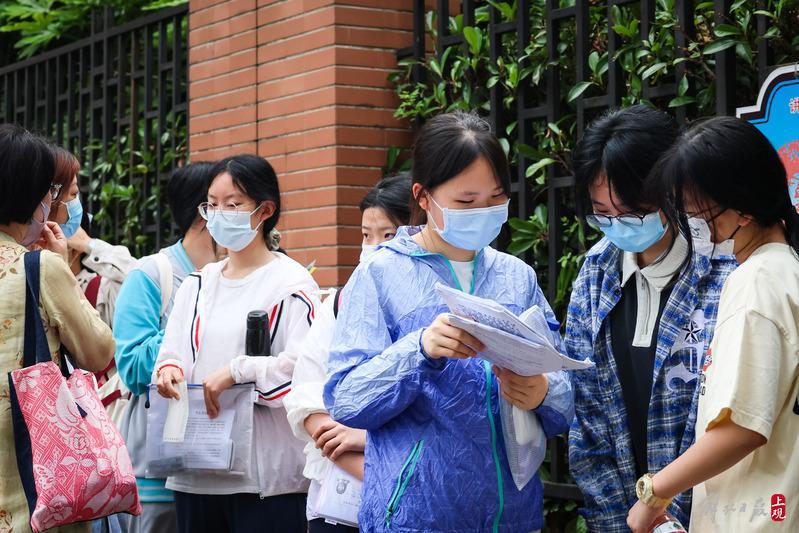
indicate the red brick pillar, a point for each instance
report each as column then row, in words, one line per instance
column 304, row 84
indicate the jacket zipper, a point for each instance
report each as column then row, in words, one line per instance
column 402, row 482
column 500, row 484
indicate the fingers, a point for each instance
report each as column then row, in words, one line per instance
column 514, row 397
column 55, row 229
column 331, row 445
column 324, row 427
column 328, row 435
column 343, row 447
column 211, row 401
column 48, row 236
column 452, row 348
column 450, row 331
column 209, row 405
column 166, row 387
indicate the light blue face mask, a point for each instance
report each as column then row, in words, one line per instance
column 635, row 238
column 232, row 230
column 75, row 214
column 471, row 229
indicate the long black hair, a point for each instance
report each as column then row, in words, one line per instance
column 729, row 162
column 255, row 177
column 392, row 195
column 622, row 146
column 449, row 143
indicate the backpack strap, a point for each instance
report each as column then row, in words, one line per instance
column 164, row 279
column 93, row 290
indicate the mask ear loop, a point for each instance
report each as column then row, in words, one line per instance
column 256, row 228
column 431, row 218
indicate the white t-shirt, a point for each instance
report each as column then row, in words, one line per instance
column 226, row 325
column 464, row 271
column 751, row 373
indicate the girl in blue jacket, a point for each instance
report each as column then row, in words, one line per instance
column 435, row 456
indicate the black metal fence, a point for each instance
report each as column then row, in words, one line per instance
column 547, row 103
column 118, row 100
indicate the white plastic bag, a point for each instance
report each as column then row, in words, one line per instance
column 525, row 442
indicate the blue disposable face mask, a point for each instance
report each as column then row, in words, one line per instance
column 471, row 229
column 635, row 238
column 75, row 214
column 232, row 230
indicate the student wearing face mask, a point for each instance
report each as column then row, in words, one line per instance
column 143, row 307
column 435, row 459
column 744, row 464
column 384, row 208
column 205, row 343
column 643, row 310
column 26, row 193
column 99, row 267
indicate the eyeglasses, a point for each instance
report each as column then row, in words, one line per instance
column 605, row 221
column 228, row 212
column 55, row 191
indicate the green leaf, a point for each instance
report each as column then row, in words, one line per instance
column 518, row 224
column 535, row 168
column 593, row 61
column 505, row 145
column 682, row 88
column 507, row 10
column 726, row 30
column 530, row 152
column 519, row 247
column 653, row 69
column 681, row 101
column 474, row 38
column 577, row 90
column 719, row 46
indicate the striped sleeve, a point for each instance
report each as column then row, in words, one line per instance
column 290, row 321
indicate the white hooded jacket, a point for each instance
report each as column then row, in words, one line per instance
column 287, row 291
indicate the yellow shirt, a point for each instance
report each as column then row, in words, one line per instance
column 69, row 319
column 751, row 373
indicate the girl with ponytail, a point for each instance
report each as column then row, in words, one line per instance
column 744, row 462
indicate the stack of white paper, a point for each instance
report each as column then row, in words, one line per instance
column 520, row 344
column 339, row 498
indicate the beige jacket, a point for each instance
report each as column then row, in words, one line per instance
column 69, row 320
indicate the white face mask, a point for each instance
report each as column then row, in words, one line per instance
column 232, row 230
column 366, row 251
column 703, row 242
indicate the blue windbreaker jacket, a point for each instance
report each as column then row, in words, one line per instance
column 435, row 456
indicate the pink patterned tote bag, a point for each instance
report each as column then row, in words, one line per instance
column 72, row 461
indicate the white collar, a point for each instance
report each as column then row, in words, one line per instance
column 660, row 273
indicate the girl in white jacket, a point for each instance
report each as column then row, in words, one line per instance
column 384, row 208
column 204, row 343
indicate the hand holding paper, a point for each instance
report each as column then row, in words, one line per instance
column 525, row 347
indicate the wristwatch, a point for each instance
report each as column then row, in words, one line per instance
column 645, row 493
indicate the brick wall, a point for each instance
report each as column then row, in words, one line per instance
column 304, row 84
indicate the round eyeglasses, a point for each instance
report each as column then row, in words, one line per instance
column 605, row 221
column 228, row 212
